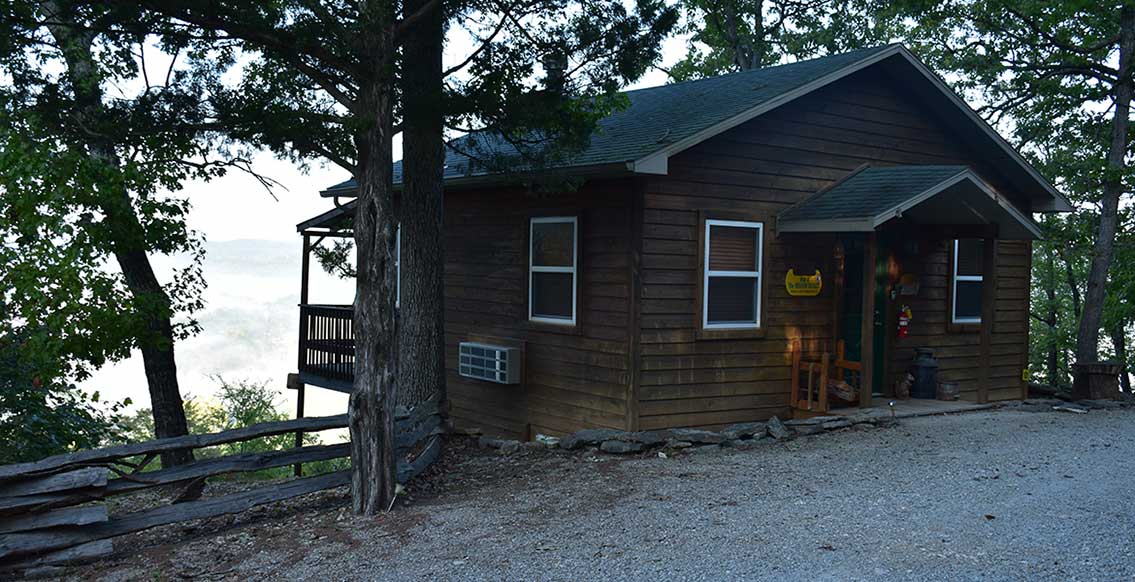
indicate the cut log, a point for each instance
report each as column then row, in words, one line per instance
column 69, row 516
column 110, row 454
column 410, row 436
column 79, row 479
column 21, row 544
column 411, row 469
column 45, row 501
column 79, row 553
column 231, row 464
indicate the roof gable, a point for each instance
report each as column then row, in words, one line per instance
column 872, row 196
column 663, row 121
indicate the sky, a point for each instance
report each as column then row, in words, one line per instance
column 252, row 268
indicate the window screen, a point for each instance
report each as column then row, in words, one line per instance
column 732, row 278
column 968, row 272
column 551, row 273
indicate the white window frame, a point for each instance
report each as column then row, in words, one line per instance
column 954, row 288
column 758, row 274
column 549, row 269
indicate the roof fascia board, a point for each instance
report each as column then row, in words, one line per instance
column 659, row 165
column 650, row 161
column 334, row 212
column 865, row 224
column 612, row 170
column 898, row 210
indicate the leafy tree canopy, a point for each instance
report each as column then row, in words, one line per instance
column 61, row 207
column 727, row 36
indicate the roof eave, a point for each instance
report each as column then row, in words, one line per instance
column 592, row 171
column 1056, row 202
column 859, row 224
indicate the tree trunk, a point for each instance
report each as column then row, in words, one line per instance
column 1070, row 280
column 421, row 315
column 1087, row 342
column 1053, row 353
column 157, row 344
column 128, row 240
column 1119, row 341
column 371, row 409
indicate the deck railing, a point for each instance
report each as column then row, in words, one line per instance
column 327, row 342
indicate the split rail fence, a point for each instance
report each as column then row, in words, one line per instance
column 53, row 511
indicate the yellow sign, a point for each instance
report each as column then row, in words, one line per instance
column 803, row 285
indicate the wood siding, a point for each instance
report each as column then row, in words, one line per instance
column 752, row 172
column 956, row 346
column 576, row 377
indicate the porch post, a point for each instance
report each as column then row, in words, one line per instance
column 867, row 331
column 304, row 271
column 988, row 313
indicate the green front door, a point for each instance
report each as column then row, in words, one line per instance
column 851, row 330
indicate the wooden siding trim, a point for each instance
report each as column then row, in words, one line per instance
column 634, row 332
column 988, row 316
column 867, row 327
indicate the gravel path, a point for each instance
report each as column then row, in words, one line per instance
column 1001, row 495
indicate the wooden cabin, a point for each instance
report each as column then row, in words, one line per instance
column 729, row 234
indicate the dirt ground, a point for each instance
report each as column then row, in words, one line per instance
column 1020, row 493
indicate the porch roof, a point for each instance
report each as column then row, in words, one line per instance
column 923, row 195
column 334, row 221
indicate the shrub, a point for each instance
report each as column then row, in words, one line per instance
column 237, row 404
column 40, row 417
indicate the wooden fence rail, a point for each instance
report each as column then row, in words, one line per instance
column 46, row 510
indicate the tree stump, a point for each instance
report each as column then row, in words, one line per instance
column 1095, row 381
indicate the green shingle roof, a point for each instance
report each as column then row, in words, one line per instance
column 870, row 192
column 661, row 116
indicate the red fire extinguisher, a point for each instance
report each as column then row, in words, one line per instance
column 905, row 315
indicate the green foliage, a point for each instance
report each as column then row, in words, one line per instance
column 237, row 404
column 726, row 36
column 298, row 94
column 337, row 258
column 65, row 212
column 40, row 418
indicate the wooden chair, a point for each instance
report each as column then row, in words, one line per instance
column 811, row 397
column 810, row 375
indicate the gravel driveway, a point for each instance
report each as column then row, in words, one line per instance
column 1001, row 495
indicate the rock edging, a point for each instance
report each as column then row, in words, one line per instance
column 743, row 436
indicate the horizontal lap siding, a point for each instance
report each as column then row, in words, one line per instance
column 956, row 347
column 574, row 378
column 753, row 172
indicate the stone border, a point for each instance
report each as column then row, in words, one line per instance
column 744, row 435
column 747, row 435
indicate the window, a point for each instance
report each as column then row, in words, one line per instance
column 551, row 269
column 968, row 271
column 731, row 288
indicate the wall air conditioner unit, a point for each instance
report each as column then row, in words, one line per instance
column 491, row 363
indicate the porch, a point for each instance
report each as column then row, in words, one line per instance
column 327, row 346
column 901, row 281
